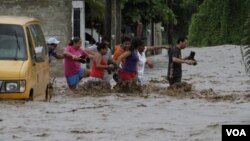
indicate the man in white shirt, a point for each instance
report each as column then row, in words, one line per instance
column 143, row 60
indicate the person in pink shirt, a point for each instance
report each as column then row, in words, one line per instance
column 72, row 67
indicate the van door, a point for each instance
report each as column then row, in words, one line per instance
column 42, row 68
column 32, row 78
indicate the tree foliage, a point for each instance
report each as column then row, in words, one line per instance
column 246, row 34
column 218, row 22
column 245, row 48
column 146, row 11
column 184, row 9
column 94, row 10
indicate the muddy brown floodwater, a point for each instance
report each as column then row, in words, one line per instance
column 213, row 93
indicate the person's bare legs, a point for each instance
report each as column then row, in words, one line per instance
column 74, row 88
column 86, row 74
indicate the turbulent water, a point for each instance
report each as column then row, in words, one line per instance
column 214, row 92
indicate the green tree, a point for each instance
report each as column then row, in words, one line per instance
column 246, row 39
column 136, row 13
column 145, row 11
column 218, row 22
column 94, row 13
column 184, row 9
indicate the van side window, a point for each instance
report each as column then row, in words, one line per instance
column 31, row 47
column 37, row 34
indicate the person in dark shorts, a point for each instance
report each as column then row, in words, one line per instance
column 176, row 61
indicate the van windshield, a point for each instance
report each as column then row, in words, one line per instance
column 12, row 42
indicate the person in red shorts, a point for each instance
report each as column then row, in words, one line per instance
column 130, row 57
column 99, row 63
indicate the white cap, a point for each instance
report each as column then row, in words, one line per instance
column 53, row 40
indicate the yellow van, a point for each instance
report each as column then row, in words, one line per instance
column 24, row 62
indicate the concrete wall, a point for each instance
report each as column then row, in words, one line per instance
column 55, row 16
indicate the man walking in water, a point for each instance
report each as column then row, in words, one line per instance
column 175, row 61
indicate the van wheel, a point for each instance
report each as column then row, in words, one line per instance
column 31, row 96
column 47, row 94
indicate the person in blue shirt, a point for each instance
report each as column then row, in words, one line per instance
column 52, row 44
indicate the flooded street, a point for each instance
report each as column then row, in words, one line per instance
column 218, row 92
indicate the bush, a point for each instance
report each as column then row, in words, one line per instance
column 218, row 22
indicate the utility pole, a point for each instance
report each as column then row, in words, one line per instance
column 113, row 24
column 112, row 29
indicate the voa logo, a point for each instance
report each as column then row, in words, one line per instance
column 236, row 132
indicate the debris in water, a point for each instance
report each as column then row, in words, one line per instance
column 96, row 88
column 128, row 87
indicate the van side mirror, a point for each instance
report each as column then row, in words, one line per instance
column 39, row 54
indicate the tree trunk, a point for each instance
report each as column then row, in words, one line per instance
column 139, row 29
column 152, row 33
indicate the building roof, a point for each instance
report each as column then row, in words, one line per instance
column 16, row 20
